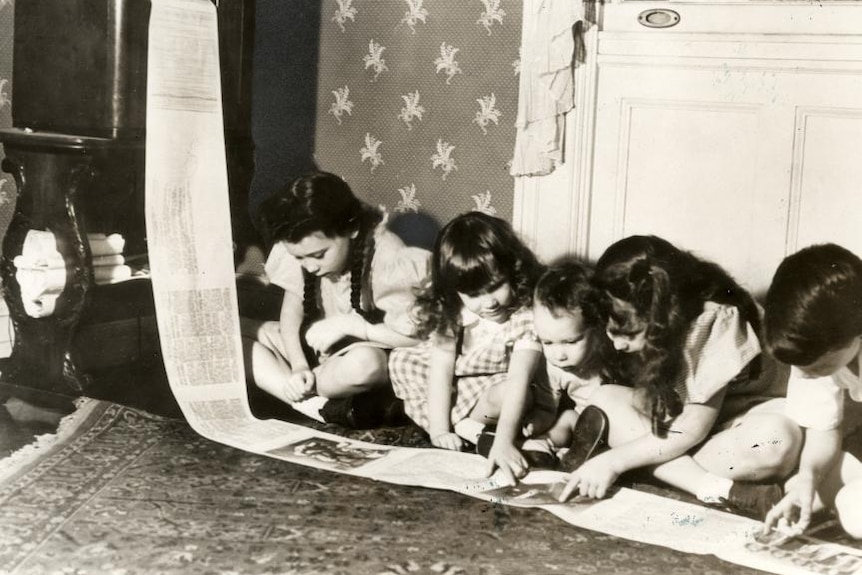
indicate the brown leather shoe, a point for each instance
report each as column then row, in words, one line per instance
column 590, row 438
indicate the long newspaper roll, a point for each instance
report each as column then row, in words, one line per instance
column 188, row 226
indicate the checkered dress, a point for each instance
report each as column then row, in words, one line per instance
column 476, row 371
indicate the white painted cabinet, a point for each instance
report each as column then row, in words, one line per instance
column 736, row 133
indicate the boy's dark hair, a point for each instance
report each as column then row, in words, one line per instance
column 565, row 288
column 472, row 253
column 667, row 287
column 323, row 202
column 814, row 304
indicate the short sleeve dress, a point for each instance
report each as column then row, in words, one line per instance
column 482, row 362
column 719, row 349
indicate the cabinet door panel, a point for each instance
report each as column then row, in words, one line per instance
column 826, row 195
column 734, row 147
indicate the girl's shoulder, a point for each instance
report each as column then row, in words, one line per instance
column 394, row 261
column 521, row 321
column 718, row 316
column 282, row 269
column 720, row 326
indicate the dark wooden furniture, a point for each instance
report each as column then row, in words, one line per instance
column 76, row 152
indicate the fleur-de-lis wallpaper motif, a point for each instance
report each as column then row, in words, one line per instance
column 487, row 113
column 443, row 158
column 434, row 134
column 345, row 12
column 492, row 13
column 483, row 203
column 446, row 61
column 342, row 103
column 408, row 201
column 374, row 59
column 369, row 152
column 415, row 14
column 412, row 109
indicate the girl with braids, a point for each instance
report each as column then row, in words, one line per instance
column 347, row 279
column 690, row 367
column 477, row 366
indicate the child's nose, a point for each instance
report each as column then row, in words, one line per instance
column 311, row 267
column 487, row 302
column 619, row 343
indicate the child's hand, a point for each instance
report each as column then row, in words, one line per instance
column 447, row 440
column 508, row 459
column 593, row 478
column 299, row 385
column 793, row 512
column 323, row 334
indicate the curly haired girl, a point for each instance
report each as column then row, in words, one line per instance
column 477, row 366
column 689, row 361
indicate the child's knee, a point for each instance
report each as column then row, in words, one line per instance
column 611, row 397
column 848, row 508
column 367, row 365
column 780, row 444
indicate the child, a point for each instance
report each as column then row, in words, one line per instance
column 686, row 334
column 476, row 312
column 567, row 322
column 813, row 322
column 347, row 279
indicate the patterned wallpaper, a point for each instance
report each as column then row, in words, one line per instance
column 416, row 102
column 7, row 185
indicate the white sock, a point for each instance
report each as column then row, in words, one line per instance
column 542, row 444
column 714, row 489
column 469, row 429
column 311, row 407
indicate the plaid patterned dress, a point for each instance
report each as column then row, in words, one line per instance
column 479, row 366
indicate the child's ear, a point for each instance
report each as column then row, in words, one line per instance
column 354, row 234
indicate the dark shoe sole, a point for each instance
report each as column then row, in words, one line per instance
column 590, row 438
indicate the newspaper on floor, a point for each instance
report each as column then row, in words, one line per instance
column 190, row 248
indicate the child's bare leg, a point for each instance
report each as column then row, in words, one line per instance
column 561, row 433
column 619, row 404
column 487, row 409
column 266, row 368
column 848, row 508
column 361, row 369
column 762, row 446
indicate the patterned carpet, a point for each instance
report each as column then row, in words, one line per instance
column 129, row 492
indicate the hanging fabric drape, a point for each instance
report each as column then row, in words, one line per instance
column 546, row 90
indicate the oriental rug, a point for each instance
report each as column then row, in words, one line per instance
column 121, row 491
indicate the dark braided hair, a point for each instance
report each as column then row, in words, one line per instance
column 663, row 288
column 323, row 202
column 473, row 253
